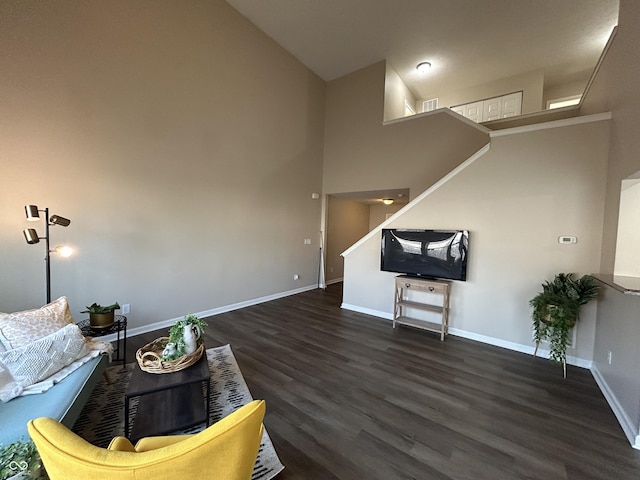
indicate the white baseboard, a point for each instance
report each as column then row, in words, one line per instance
column 518, row 347
column 367, row 311
column 131, row 332
column 528, row 349
column 629, row 428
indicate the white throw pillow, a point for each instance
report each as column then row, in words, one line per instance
column 20, row 329
column 24, row 366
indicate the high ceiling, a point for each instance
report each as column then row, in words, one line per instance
column 468, row 42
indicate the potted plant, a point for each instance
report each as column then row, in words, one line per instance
column 185, row 336
column 556, row 311
column 182, row 348
column 20, row 461
column 101, row 317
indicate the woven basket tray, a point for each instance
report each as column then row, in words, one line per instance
column 149, row 357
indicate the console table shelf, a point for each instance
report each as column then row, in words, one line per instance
column 439, row 290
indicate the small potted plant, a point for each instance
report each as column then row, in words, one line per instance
column 185, row 336
column 20, row 461
column 556, row 311
column 182, row 348
column 101, row 317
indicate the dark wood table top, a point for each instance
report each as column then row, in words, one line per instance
column 142, row 383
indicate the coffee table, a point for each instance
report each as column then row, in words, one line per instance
column 167, row 401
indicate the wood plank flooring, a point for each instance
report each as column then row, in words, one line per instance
column 349, row 397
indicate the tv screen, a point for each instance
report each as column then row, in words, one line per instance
column 425, row 253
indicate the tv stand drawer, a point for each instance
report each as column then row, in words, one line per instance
column 426, row 285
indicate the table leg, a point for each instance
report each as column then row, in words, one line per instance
column 126, row 417
column 124, row 346
column 208, row 406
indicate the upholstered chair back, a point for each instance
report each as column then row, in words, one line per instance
column 226, row 450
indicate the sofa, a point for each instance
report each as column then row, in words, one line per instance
column 47, row 368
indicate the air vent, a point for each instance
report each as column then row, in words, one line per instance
column 430, row 105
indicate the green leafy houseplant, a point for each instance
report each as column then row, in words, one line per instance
column 95, row 308
column 556, row 310
column 176, row 333
column 101, row 316
column 20, row 460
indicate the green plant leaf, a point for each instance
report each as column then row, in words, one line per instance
column 95, row 308
column 556, row 310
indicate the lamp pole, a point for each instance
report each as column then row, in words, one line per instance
column 47, row 254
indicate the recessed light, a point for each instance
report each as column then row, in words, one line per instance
column 387, row 201
column 423, row 67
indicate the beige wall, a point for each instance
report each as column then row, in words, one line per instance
column 182, row 142
column 347, row 222
column 568, row 89
column 616, row 89
column 362, row 154
column 395, row 94
column 379, row 213
column 617, row 331
column 628, row 237
column 531, row 83
column 516, row 200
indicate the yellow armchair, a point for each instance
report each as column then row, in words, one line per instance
column 226, row 450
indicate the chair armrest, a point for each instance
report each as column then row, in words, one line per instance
column 121, row 444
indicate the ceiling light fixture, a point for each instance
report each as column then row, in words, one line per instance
column 423, row 67
column 387, row 201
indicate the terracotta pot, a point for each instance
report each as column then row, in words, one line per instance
column 101, row 320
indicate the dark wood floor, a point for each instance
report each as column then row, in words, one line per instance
column 348, row 397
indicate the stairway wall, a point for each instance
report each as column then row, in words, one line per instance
column 361, row 153
column 516, row 200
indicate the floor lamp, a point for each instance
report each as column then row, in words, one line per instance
column 31, row 236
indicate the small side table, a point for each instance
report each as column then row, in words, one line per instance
column 119, row 325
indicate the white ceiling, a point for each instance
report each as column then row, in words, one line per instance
column 469, row 42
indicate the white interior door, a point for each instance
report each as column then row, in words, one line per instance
column 511, row 105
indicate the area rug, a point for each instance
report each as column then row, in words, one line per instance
column 102, row 417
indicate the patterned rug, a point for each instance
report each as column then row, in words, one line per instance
column 103, row 416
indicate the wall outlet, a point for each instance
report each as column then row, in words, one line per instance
column 125, row 309
column 609, row 357
column 296, row 276
column 307, row 241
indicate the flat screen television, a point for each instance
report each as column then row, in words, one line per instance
column 425, row 253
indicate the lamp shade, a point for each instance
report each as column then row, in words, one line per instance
column 58, row 220
column 31, row 236
column 32, row 213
